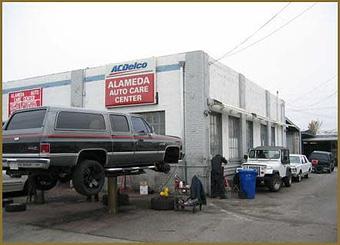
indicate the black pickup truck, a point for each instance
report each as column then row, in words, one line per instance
column 52, row 143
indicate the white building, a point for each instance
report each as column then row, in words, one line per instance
column 214, row 109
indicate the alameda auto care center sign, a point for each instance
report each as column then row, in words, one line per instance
column 24, row 99
column 130, row 83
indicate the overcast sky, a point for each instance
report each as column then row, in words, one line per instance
column 299, row 59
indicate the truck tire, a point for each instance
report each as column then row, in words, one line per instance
column 15, row 207
column 299, row 177
column 88, row 177
column 162, row 167
column 288, row 180
column 44, row 182
column 274, row 184
column 162, row 203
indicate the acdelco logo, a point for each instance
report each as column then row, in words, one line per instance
column 128, row 67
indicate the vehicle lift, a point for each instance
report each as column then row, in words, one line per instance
column 112, row 184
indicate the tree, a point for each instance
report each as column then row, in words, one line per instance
column 314, row 126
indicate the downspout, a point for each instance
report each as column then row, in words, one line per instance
column 182, row 87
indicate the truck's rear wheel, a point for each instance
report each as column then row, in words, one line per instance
column 274, row 184
column 88, row 177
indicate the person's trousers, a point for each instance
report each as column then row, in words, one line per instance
column 217, row 185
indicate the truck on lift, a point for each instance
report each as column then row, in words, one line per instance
column 51, row 143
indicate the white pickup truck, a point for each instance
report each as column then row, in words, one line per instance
column 271, row 164
column 300, row 166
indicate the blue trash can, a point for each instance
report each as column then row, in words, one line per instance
column 248, row 182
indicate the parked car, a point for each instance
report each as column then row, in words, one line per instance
column 13, row 184
column 300, row 166
column 83, row 145
column 272, row 166
column 322, row 160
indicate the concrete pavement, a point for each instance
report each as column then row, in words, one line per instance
column 305, row 212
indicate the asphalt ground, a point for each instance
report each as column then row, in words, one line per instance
column 305, row 212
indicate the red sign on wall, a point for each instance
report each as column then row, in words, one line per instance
column 24, row 99
column 130, row 90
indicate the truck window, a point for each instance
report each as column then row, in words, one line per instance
column 148, row 126
column 294, row 159
column 305, row 158
column 264, row 154
column 320, row 156
column 80, row 120
column 27, row 119
column 119, row 123
column 138, row 125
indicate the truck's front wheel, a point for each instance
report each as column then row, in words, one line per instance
column 288, row 180
column 88, row 177
column 274, row 183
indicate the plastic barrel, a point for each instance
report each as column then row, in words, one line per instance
column 248, row 182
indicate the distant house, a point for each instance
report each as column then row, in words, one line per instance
column 293, row 137
column 325, row 141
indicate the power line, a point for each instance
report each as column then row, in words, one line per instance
column 311, row 113
column 313, row 89
column 324, row 98
column 312, row 108
column 251, row 35
column 276, row 30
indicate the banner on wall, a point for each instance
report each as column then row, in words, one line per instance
column 24, row 99
column 131, row 83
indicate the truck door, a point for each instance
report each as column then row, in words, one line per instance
column 285, row 162
column 146, row 149
column 123, row 143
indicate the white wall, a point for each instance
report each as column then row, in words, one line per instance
column 224, row 84
column 273, row 103
column 37, row 80
column 255, row 98
column 57, row 96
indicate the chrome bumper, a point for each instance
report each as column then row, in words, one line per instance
column 22, row 163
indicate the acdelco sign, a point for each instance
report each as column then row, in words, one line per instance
column 131, row 83
column 129, row 67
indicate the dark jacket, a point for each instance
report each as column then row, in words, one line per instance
column 197, row 191
column 216, row 164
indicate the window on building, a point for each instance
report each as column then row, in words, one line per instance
column 234, row 138
column 273, row 136
column 80, row 120
column 156, row 120
column 249, row 135
column 119, row 123
column 264, row 135
column 215, row 134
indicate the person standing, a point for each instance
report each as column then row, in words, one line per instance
column 217, row 176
